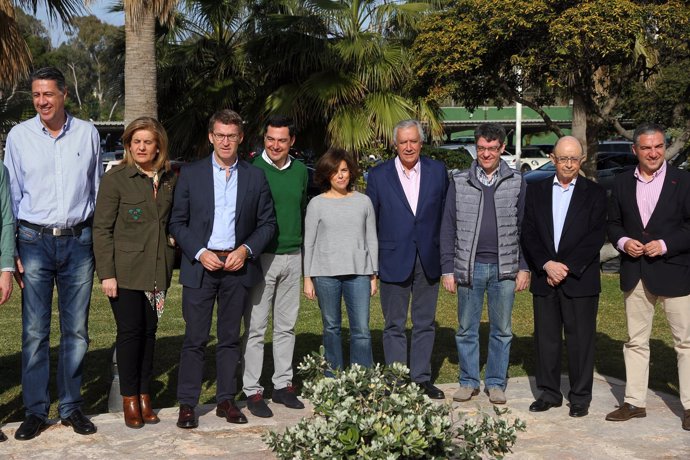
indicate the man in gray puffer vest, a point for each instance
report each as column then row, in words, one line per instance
column 480, row 253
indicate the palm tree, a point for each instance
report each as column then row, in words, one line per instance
column 140, row 54
column 343, row 65
column 205, row 70
column 14, row 53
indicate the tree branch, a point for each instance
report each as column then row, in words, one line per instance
column 550, row 124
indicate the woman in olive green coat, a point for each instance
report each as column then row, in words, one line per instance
column 135, row 256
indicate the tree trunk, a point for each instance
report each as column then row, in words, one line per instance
column 584, row 130
column 140, row 68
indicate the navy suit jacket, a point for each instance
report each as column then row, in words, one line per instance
column 191, row 219
column 583, row 235
column 402, row 234
column 665, row 275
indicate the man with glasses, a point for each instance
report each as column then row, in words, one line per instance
column 281, row 261
column 480, row 254
column 562, row 232
column 223, row 219
column 649, row 223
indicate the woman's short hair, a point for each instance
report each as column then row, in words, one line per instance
column 328, row 165
column 154, row 126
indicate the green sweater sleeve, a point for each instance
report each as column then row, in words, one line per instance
column 7, row 225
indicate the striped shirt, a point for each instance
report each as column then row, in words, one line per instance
column 647, row 196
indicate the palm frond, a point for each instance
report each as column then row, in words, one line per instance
column 350, row 128
column 14, row 52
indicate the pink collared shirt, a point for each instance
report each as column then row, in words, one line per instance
column 647, row 196
column 409, row 179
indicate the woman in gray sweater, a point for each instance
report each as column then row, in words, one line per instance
column 341, row 256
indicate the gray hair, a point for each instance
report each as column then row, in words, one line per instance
column 49, row 73
column 647, row 128
column 408, row 124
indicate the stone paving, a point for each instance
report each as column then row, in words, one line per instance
column 551, row 434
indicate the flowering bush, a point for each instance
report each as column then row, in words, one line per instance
column 376, row 413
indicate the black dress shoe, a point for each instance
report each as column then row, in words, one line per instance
column 288, row 397
column 258, row 407
column 229, row 410
column 3, row 437
column 187, row 418
column 578, row 410
column 431, row 391
column 29, row 428
column 79, row 423
column 540, row 405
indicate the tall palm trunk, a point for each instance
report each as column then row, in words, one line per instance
column 140, row 67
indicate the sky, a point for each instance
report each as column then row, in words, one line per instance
column 98, row 8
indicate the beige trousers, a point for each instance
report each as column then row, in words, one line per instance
column 639, row 311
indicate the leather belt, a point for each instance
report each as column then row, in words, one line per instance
column 57, row 231
column 221, row 253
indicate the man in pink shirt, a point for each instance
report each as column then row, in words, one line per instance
column 652, row 232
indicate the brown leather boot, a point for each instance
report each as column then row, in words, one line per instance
column 147, row 413
column 130, row 405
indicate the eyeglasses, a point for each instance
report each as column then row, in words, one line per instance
column 564, row 160
column 493, row 149
column 229, row 137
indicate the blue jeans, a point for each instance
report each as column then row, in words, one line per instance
column 470, row 304
column 68, row 262
column 355, row 289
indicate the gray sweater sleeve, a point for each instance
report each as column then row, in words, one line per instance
column 340, row 237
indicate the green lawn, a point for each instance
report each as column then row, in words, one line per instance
column 609, row 360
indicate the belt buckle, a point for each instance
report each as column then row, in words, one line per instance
column 57, row 231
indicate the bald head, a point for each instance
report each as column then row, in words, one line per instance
column 569, row 143
column 567, row 156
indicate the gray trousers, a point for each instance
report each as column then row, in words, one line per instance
column 395, row 302
column 279, row 292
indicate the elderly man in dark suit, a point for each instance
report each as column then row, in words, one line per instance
column 223, row 219
column 408, row 193
column 649, row 223
column 563, row 230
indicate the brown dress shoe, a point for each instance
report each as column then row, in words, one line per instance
column 147, row 413
column 187, row 417
column 626, row 412
column 686, row 420
column 229, row 410
column 130, row 405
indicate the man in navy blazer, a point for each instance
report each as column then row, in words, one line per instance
column 563, row 230
column 649, row 223
column 408, row 195
column 222, row 218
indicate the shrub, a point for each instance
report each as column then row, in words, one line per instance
column 376, row 413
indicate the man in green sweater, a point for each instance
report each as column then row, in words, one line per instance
column 6, row 244
column 281, row 263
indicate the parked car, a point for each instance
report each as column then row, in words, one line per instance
column 620, row 146
column 112, row 158
column 531, row 157
column 609, row 165
column 508, row 158
column 469, row 148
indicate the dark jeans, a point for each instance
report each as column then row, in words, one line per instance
column 136, row 322
column 65, row 261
